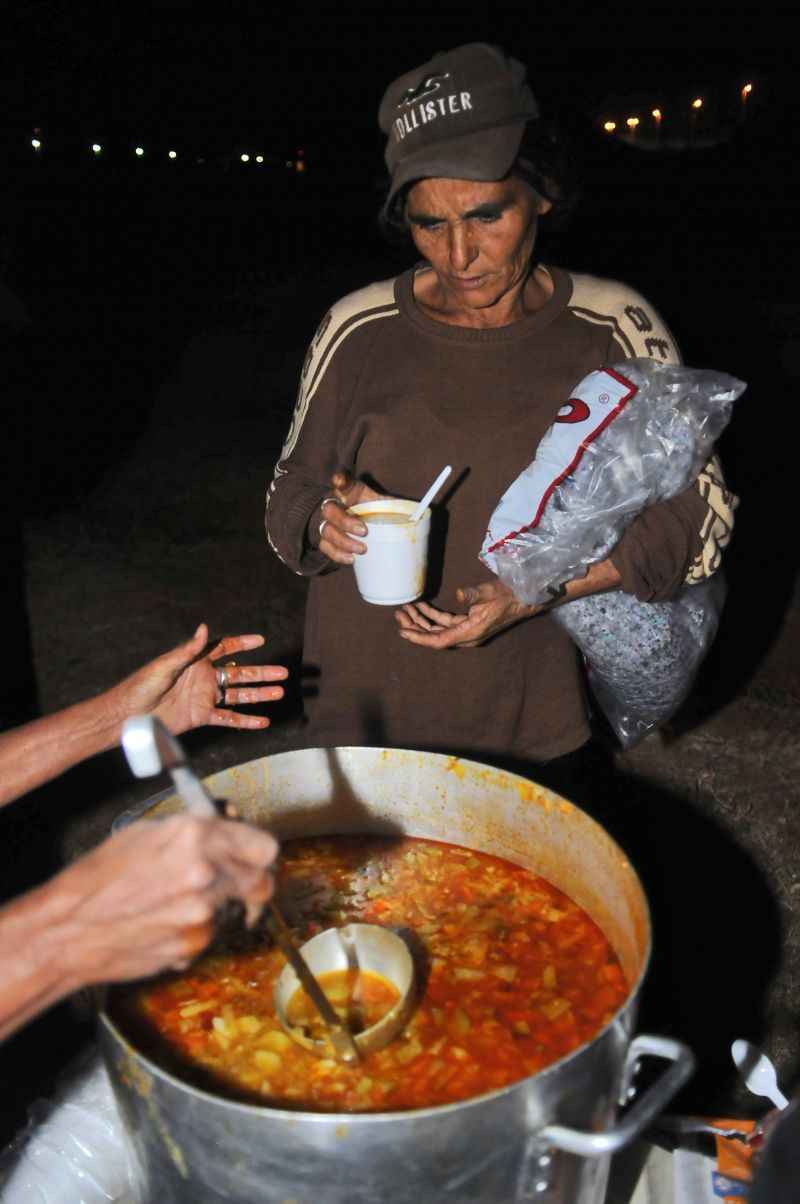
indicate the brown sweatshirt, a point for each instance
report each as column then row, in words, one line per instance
column 392, row 395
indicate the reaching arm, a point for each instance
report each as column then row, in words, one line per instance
column 181, row 687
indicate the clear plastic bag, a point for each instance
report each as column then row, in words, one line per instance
column 550, row 526
column 642, row 657
column 631, row 436
column 73, row 1150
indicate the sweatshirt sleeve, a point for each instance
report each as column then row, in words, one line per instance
column 320, row 438
column 678, row 541
column 301, row 479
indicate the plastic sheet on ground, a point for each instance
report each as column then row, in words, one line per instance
column 73, row 1150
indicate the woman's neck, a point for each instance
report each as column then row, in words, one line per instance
column 527, row 297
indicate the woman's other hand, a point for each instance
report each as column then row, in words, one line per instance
column 338, row 530
column 492, row 608
column 183, row 687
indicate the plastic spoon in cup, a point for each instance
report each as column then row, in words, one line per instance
column 417, row 513
column 150, row 748
column 757, row 1072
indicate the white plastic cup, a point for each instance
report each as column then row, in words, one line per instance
column 392, row 570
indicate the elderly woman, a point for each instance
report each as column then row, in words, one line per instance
column 464, row 359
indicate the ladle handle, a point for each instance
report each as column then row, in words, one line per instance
column 341, row 1037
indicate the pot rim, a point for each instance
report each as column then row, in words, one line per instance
column 338, row 1118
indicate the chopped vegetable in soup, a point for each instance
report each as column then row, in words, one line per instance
column 513, row 975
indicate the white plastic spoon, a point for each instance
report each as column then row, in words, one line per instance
column 422, row 506
column 758, row 1072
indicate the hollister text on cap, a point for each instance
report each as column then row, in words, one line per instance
column 460, row 116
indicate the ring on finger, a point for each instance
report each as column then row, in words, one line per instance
column 222, row 680
column 322, row 506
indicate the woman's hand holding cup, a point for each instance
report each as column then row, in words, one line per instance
column 338, row 530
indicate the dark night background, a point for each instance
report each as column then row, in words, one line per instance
column 119, row 274
column 135, row 253
column 119, row 261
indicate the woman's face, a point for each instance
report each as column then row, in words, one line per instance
column 478, row 237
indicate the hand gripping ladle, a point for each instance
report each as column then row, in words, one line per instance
column 150, row 748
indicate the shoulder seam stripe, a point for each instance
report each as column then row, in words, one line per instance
column 604, row 320
column 336, row 342
column 336, row 336
column 305, row 395
column 374, row 296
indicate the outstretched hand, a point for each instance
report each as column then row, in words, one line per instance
column 339, row 530
column 492, row 608
column 182, row 687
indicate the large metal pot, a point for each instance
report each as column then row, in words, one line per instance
column 548, row 1137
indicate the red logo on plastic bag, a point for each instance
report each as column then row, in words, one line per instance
column 577, row 411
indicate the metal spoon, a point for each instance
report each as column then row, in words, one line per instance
column 757, row 1072
column 151, row 748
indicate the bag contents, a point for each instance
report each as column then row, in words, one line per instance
column 642, row 657
column 628, row 437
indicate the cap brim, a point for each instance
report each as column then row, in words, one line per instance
column 482, row 155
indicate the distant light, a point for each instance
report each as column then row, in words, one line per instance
column 609, row 126
column 172, row 154
column 97, row 148
column 632, row 123
column 139, row 151
column 656, row 113
column 697, row 103
column 290, row 162
column 747, row 89
column 245, row 158
column 300, row 165
column 259, row 158
column 36, row 144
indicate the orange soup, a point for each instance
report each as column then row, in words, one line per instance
column 359, row 998
column 511, row 975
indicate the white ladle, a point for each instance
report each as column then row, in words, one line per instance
column 757, row 1072
column 417, row 513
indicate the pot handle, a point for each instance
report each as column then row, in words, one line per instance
column 643, row 1113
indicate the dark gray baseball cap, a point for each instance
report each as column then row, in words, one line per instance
column 461, row 116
